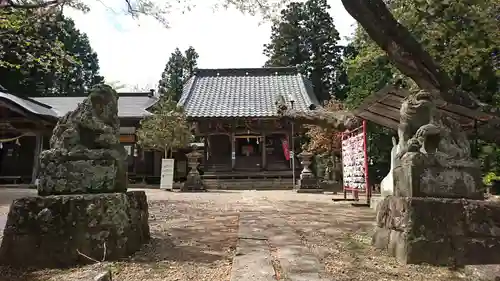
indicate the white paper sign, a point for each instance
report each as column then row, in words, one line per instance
column 354, row 162
column 167, row 174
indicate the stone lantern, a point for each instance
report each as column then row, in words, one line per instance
column 193, row 181
column 308, row 182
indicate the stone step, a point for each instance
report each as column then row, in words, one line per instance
column 246, row 184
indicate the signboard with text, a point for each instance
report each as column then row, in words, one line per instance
column 167, row 174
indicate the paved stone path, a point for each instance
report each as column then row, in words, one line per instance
column 268, row 246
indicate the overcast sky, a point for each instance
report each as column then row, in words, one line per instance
column 134, row 52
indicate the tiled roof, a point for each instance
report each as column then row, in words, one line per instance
column 129, row 105
column 244, row 92
column 30, row 105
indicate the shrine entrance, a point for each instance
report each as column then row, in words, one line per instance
column 248, row 152
column 25, row 127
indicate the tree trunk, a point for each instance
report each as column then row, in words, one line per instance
column 405, row 51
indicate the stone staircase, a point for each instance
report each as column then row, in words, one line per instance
column 250, row 184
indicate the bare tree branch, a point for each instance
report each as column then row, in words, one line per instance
column 11, row 4
column 337, row 120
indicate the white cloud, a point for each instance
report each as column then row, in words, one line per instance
column 134, row 52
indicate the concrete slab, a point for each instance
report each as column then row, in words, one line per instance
column 310, row 190
column 252, row 261
column 252, row 226
column 297, row 262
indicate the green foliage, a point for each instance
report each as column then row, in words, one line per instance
column 489, row 178
column 178, row 69
column 44, row 55
column 489, row 155
column 463, row 36
column 166, row 129
column 305, row 36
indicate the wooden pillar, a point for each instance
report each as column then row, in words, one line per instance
column 290, row 139
column 264, row 152
column 157, row 156
column 36, row 158
column 233, row 150
column 205, row 151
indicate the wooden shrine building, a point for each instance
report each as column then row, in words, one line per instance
column 236, row 116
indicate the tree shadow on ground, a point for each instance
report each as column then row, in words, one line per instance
column 186, row 238
column 340, row 236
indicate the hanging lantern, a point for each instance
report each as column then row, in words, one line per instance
column 258, row 140
column 18, row 143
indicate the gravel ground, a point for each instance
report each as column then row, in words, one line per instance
column 195, row 235
column 340, row 236
column 193, row 238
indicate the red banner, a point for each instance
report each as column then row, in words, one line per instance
column 286, row 151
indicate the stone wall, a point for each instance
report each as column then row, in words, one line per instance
column 439, row 231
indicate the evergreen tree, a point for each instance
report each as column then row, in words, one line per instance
column 45, row 56
column 85, row 73
column 178, row 69
column 305, row 36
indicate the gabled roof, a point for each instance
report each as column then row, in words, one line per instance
column 245, row 92
column 29, row 105
column 382, row 108
column 130, row 105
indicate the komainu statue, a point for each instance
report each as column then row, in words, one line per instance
column 434, row 157
column 85, row 154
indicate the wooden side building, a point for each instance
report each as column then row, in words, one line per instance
column 26, row 126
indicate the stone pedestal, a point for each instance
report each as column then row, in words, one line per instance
column 88, row 171
column 53, row 182
column 439, row 231
column 421, row 175
column 308, row 182
column 194, row 181
column 50, row 231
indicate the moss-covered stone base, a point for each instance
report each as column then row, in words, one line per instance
column 57, row 231
column 439, row 231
